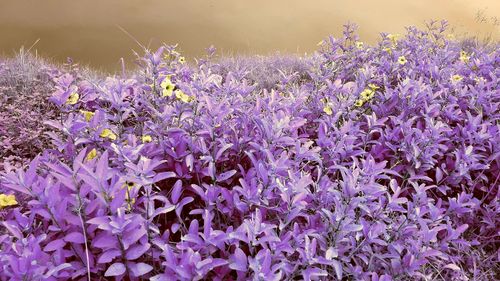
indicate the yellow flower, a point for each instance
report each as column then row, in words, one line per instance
column 479, row 79
column 91, row 155
column 389, row 50
column 87, row 114
column 179, row 94
column 107, row 133
column 166, row 82
column 456, row 78
column 328, row 110
column 182, row 60
column 182, row 96
column 373, row 87
column 185, row 98
column 464, row 57
column 168, row 90
column 146, row 138
column 367, row 94
column 129, row 186
column 7, row 200
column 72, row 99
column 393, row 37
column 359, row 45
column 359, row 103
column 402, row 60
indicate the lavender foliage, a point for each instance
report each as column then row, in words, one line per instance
column 357, row 163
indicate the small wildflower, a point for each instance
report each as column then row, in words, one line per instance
column 367, row 94
column 388, row 50
column 168, row 87
column 185, row 98
column 359, row 103
column 182, row 96
column 179, row 94
column 359, row 45
column 479, row 79
column 87, row 114
column 373, row 87
column 402, row 60
column 168, row 90
column 393, row 37
column 107, row 133
column 91, row 155
column 73, row 99
column 129, row 186
column 456, row 78
column 7, row 200
column 464, row 57
column 328, row 110
column 182, row 60
column 146, row 138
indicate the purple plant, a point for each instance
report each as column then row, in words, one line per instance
column 358, row 163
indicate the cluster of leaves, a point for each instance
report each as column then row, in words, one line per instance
column 199, row 172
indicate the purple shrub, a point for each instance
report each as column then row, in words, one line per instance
column 359, row 163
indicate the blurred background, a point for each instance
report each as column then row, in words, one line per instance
column 89, row 30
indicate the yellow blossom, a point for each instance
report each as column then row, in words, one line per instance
column 367, row 94
column 182, row 96
column 373, row 87
column 328, row 110
column 182, row 60
column 393, row 37
column 359, row 103
column 166, row 82
column 479, row 79
column 129, row 186
column 91, row 155
column 402, row 60
column 185, row 98
column 146, row 138
column 464, row 57
column 87, row 114
column 73, row 99
column 107, row 133
column 179, row 94
column 456, row 78
column 359, row 45
column 168, row 90
column 167, row 86
column 7, row 200
column 389, row 50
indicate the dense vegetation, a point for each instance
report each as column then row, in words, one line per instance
column 356, row 163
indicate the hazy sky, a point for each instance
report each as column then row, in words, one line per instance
column 87, row 30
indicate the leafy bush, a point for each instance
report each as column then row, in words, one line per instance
column 364, row 163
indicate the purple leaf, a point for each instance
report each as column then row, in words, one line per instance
column 238, row 261
column 54, row 245
column 75, row 237
column 139, row 269
column 136, row 251
column 115, row 269
column 226, row 175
